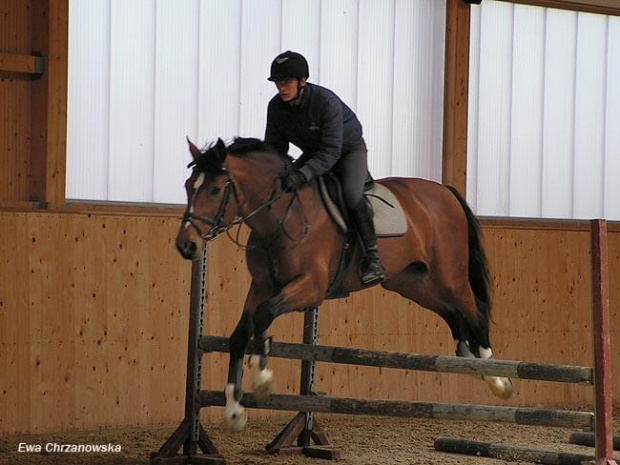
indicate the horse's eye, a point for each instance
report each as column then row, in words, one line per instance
column 215, row 191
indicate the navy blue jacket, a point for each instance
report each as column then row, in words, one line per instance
column 320, row 124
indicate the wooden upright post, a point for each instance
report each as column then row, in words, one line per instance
column 456, row 86
column 602, row 350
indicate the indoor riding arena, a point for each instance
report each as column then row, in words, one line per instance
column 114, row 348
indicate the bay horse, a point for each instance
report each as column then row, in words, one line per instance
column 295, row 248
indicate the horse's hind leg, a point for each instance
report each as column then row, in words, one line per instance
column 471, row 336
column 468, row 324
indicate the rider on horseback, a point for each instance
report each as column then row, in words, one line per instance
column 328, row 132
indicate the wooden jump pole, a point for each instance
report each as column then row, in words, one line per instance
column 602, row 437
column 351, row 406
column 508, row 452
column 417, row 362
column 587, row 438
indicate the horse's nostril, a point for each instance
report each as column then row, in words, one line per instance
column 188, row 249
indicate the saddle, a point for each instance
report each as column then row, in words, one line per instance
column 388, row 218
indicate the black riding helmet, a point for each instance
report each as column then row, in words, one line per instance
column 288, row 65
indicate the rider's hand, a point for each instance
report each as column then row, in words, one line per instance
column 293, row 180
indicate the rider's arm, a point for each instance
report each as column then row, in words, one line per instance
column 330, row 148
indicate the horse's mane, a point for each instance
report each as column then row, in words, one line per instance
column 243, row 145
column 211, row 158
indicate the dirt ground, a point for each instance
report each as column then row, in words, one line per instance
column 361, row 441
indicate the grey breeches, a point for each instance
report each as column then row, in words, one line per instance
column 352, row 170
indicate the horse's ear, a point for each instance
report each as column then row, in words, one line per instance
column 220, row 149
column 195, row 151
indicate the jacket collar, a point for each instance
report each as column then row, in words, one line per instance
column 303, row 98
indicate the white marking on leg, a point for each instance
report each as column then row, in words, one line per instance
column 501, row 387
column 262, row 380
column 234, row 413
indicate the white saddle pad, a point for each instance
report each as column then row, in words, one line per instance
column 389, row 218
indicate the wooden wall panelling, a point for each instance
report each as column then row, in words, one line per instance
column 15, row 362
column 14, row 102
column 541, row 303
column 51, row 342
column 93, row 319
column 166, row 292
column 614, row 309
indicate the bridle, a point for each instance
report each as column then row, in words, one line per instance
column 216, row 223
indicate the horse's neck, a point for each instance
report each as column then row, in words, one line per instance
column 289, row 213
column 255, row 181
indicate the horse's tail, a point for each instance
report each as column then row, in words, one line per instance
column 479, row 276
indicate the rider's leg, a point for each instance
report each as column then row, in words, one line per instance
column 371, row 270
column 352, row 169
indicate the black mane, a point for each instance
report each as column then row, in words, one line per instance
column 213, row 154
column 208, row 161
column 242, row 145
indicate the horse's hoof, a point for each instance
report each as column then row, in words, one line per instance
column 263, row 383
column 236, row 418
column 501, row 387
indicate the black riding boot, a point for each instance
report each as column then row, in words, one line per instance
column 371, row 270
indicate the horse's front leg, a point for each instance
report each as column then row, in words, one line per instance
column 262, row 376
column 234, row 413
column 294, row 296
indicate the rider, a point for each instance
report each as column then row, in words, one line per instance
column 328, row 132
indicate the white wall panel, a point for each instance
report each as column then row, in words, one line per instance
column 527, row 110
column 161, row 70
column 301, row 32
column 494, row 122
column 612, row 122
column 559, row 114
column 589, row 115
column 261, row 41
column 418, row 79
column 219, row 75
column 473, row 107
column 303, row 36
column 338, row 64
column 88, row 103
column 176, row 103
column 543, row 97
column 132, row 86
column 375, row 79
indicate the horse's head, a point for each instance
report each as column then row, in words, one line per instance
column 209, row 198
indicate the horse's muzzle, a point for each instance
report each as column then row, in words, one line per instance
column 187, row 249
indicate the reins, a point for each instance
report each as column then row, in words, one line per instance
column 216, row 223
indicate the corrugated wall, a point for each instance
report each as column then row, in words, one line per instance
column 544, row 112
column 93, row 322
column 145, row 74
